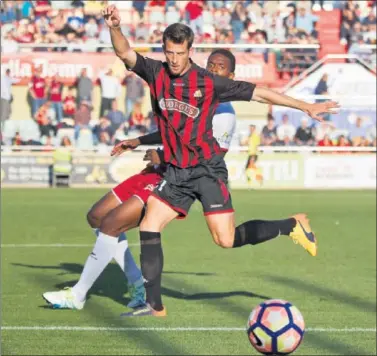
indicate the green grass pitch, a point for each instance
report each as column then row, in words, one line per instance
column 204, row 286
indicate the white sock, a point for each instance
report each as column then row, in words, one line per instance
column 120, row 252
column 103, row 252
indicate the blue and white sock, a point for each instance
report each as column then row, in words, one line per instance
column 126, row 261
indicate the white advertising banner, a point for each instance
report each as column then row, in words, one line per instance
column 340, row 171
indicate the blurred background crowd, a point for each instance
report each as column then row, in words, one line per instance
column 57, row 111
column 79, row 25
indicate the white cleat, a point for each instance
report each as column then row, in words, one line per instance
column 63, row 299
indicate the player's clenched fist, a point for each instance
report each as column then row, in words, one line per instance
column 111, row 16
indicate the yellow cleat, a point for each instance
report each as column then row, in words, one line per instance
column 302, row 234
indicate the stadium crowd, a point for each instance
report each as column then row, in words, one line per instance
column 78, row 26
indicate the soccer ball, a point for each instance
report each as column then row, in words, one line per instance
column 275, row 327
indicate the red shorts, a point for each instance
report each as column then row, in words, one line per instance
column 140, row 185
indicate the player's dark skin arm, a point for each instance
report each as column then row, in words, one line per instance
column 146, row 140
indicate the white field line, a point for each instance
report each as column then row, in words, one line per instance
column 164, row 329
column 52, row 245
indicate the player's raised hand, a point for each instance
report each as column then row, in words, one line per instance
column 126, row 145
column 153, row 157
column 111, row 16
column 316, row 110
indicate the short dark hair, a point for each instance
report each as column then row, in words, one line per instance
column 178, row 33
column 228, row 54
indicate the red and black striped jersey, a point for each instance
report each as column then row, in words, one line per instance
column 184, row 107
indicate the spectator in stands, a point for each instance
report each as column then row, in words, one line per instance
column 115, row 116
column 37, row 90
column 26, row 9
column 16, row 140
column 150, row 123
column 103, row 131
column 238, row 18
column 371, row 135
column 134, row 90
column 41, row 8
column 359, row 49
column 304, row 134
column 24, row 31
column 84, row 87
column 65, row 142
column 357, row 132
column 136, row 118
column 44, row 117
column 285, row 132
column 82, row 118
column 69, row 104
column 269, row 136
column 349, row 18
column 322, row 89
column 139, row 6
column 8, row 12
column 141, row 30
column 55, row 90
column 172, row 15
column 156, row 38
column 6, row 95
column 8, row 44
column 325, row 142
column 305, row 20
column 253, row 142
column 110, row 89
column 343, row 141
column 194, row 11
column 324, row 128
column 76, row 21
column 91, row 28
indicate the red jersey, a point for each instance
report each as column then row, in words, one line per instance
column 195, row 9
column 69, row 106
column 322, row 143
column 25, row 38
column 56, row 89
column 41, row 3
column 38, row 85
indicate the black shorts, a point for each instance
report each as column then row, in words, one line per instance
column 206, row 182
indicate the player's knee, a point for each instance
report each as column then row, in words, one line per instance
column 225, row 241
column 108, row 226
column 93, row 219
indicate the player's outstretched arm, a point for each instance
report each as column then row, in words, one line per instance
column 129, row 145
column 120, row 43
column 268, row 96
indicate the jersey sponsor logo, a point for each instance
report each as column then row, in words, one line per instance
column 198, row 94
column 179, row 84
column 176, row 105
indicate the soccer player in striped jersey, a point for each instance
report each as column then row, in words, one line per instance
column 184, row 97
column 122, row 208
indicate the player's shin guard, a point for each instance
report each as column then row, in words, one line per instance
column 152, row 261
column 254, row 232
